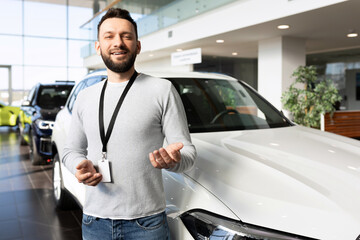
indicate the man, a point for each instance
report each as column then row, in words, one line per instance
column 118, row 154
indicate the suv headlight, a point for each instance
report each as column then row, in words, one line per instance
column 42, row 124
column 203, row 225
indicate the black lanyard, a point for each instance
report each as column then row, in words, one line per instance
column 105, row 138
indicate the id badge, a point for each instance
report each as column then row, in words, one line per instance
column 104, row 169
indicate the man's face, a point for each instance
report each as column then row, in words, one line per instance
column 117, row 44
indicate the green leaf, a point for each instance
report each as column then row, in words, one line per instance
column 308, row 104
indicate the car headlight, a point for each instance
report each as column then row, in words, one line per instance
column 203, row 225
column 42, row 124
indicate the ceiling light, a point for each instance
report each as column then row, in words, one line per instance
column 220, row 41
column 234, row 54
column 151, row 55
column 179, row 50
column 284, row 26
column 352, row 34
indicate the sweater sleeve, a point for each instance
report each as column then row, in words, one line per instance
column 75, row 149
column 175, row 129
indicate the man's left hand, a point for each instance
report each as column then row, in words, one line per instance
column 166, row 157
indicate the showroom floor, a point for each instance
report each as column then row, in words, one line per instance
column 27, row 208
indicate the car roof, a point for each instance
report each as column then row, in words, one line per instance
column 206, row 75
column 57, row 83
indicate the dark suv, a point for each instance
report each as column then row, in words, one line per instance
column 37, row 116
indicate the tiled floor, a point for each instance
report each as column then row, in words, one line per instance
column 27, row 208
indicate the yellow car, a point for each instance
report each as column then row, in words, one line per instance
column 8, row 115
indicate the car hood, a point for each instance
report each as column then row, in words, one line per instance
column 14, row 110
column 294, row 179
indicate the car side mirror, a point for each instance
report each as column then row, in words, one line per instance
column 25, row 103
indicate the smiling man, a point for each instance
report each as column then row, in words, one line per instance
column 118, row 131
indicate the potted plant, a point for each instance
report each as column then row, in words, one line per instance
column 308, row 98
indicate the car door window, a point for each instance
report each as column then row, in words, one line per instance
column 224, row 105
column 82, row 85
column 238, row 99
column 74, row 95
column 93, row 80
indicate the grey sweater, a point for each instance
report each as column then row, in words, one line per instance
column 151, row 115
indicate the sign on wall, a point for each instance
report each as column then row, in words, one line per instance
column 191, row 56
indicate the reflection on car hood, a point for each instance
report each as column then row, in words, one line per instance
column 293, row 179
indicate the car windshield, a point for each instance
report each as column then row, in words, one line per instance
column 53, row 96
column 223, row 105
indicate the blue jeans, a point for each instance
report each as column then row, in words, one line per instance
column 154, row 227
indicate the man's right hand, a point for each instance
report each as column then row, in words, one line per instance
column 87, row 174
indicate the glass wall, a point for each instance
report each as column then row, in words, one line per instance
column 41, row 42
column 152, row 16
column 343, row 68
column 173, row 12
column 245, row 69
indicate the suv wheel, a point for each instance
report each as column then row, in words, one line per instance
column 63, row 199
column 35, row 158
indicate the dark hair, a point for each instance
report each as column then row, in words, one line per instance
column 118, row 13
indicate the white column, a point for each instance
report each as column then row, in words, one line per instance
column 277, row 60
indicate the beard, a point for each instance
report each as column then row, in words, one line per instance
column 119, row 67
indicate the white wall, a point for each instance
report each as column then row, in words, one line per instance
column 94, row 61
column 161, row 65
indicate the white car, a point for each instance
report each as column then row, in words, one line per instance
column 257, row 175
